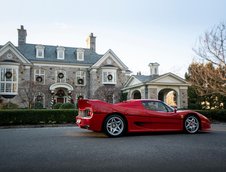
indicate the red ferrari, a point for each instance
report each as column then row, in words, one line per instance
column 137, row 116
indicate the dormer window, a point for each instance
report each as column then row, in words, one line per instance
column 60, row 53
column 40, row 51
column 80, row 54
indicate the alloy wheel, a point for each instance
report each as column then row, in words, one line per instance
column 191, row 124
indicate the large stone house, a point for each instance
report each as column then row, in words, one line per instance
column 168, row 87
column 46, row 74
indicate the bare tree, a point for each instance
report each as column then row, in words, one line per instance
column 212, row 45
column 28, row 91
column 209, row 77
column 108, row 93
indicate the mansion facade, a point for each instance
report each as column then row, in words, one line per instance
column 46, row 74
column 35, row 74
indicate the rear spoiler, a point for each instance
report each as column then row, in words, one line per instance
column 96, row 105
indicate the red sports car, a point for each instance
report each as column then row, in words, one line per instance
column 137, row 116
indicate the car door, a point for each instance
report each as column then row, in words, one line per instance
column 161, row 117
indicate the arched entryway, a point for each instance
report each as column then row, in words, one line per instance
column 61, row 93
column 136, row 94
column 169, row 96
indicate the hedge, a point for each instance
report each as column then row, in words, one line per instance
column 62, row 116
column 218, row 115
column 35, row 116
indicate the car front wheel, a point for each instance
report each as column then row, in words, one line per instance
column 114, row 126
column 191, row 124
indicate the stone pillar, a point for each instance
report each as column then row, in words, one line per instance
column 152, row 93
column 183, row 97
column 142, row 92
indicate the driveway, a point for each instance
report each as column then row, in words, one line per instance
column 74, row 149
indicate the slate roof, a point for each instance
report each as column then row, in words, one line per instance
column 146, row 78
column 50, row 54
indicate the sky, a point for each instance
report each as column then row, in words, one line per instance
column 138, row 31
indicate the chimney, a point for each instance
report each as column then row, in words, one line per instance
column 91, row 42
column 22, row 34
column 154, row 68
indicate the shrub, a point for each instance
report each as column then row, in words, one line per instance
column 219, row 115
column 57, row 105
column 67, row 106
column 38, row 105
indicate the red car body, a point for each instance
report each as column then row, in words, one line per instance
column 137, row 116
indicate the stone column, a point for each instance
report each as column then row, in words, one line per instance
column 142, row 92
column 152, row 93
column 183, row 97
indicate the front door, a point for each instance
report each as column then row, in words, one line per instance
column 60, row 100
column 61, row 96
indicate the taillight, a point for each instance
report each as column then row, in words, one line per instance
column 85, row 112
column 89, row 113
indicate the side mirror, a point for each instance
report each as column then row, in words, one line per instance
column 175, row 110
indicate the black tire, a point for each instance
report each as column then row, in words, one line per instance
column 191, row 124
column 114, row 126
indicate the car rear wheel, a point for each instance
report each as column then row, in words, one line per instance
column 191, row 124
column 114, row 126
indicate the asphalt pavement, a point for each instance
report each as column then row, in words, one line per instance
column 69, row 148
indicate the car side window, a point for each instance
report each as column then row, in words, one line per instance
column 155, row 106
column 150, row 105
column 161, row 107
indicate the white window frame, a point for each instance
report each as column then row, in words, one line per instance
column 80, row 54
column 39, row 73
column 60, row 53
column 40, row 51
column 80, row 75
column 105, row 76
column 60, row 80
column 11, row 83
